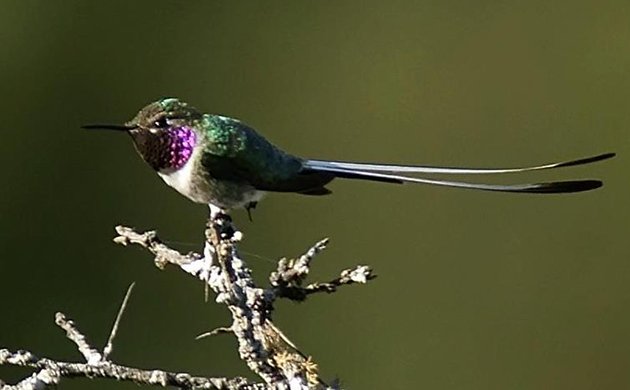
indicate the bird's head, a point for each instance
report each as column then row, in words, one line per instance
column 163, row 133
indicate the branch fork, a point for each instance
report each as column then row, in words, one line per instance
column 261, row 345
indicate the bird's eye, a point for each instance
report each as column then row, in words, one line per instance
column 161, row 123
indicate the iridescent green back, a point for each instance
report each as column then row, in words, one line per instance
column 235, row 152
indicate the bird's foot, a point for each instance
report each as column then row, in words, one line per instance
column 220, row 222
column 249, row 207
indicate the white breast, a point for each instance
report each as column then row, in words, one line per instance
column 181, row 180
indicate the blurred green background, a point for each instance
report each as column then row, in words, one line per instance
column 476, row 290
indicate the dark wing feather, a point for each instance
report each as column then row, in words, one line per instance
column 238, row 153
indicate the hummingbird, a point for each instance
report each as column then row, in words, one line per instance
column 223, row 162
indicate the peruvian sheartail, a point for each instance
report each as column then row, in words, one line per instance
column 221, row 161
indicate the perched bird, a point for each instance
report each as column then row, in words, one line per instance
column 221, row 161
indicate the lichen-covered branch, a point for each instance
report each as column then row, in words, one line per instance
column 293, row 289
column 265, row 349
column 49, row 373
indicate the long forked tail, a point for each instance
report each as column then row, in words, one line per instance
column 393, row 174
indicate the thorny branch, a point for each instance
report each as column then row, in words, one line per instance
column 263, row 347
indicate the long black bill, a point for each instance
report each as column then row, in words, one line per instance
column 108, row 127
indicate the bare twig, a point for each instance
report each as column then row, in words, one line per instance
column 214, row 332
column 288, row 278
column 91, row 355
column 109, row 347
column 360, row 274
column 295, row 271
column 51, row 371
column 163, row 254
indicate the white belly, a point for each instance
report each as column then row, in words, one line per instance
column 223, row 194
